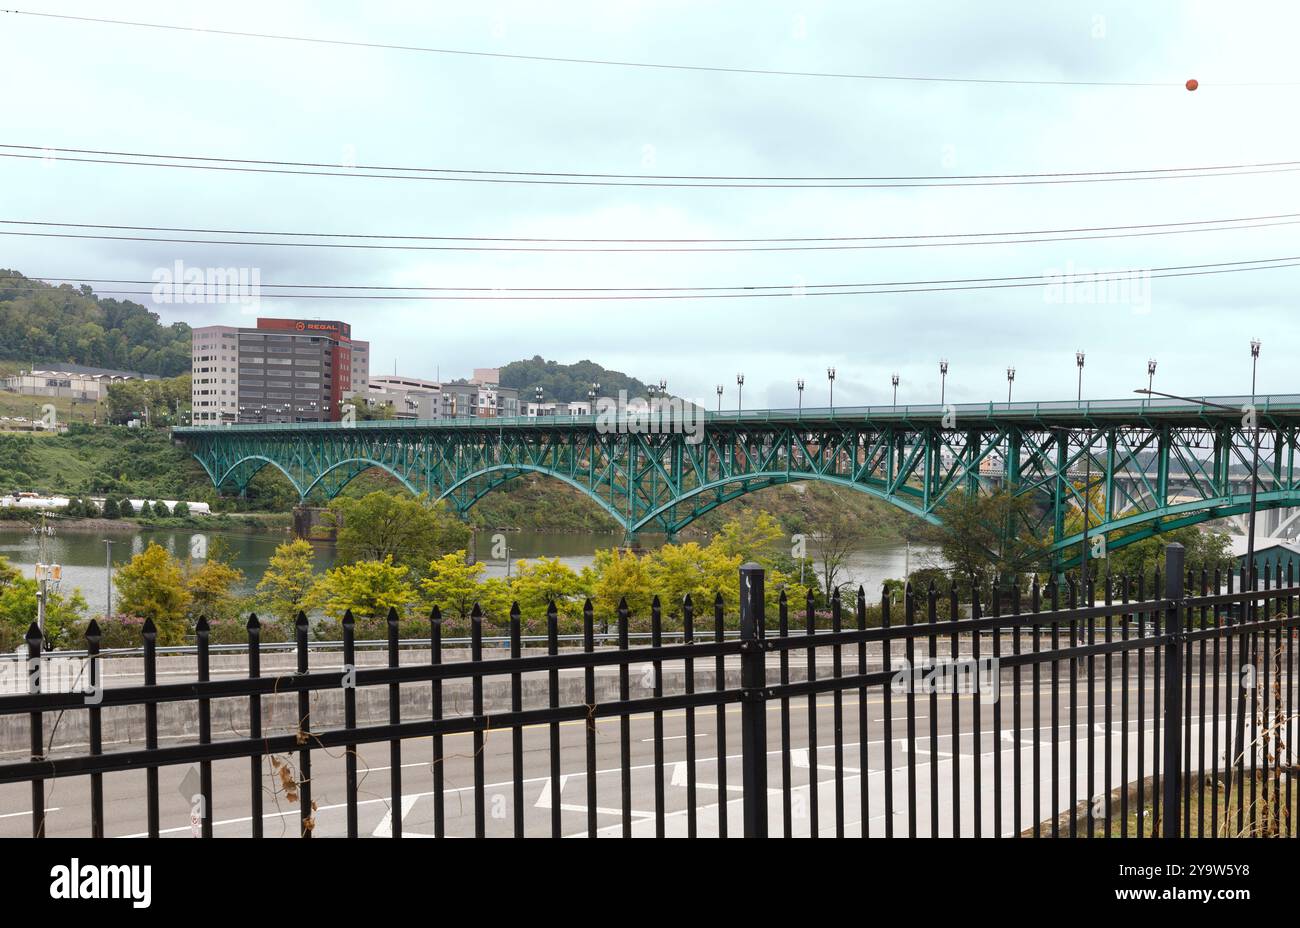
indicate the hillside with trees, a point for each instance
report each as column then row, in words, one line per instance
column 566, row 382
column 45, row 324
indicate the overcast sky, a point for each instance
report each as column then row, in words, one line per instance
column 82, row 85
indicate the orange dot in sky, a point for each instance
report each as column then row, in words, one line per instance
column 1192, row 84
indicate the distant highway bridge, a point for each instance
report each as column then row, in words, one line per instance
column 1155, row 464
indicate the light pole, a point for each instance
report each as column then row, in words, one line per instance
column 799, row 386
column 591, row 397
column 719, row 398
column 1011, row 376
column 663, row 387
column 740, row 393
column 1078, row 360
column 943, row 379
column 1151, row 374
column 894, row 381
column 108, row 570
column 830, row 376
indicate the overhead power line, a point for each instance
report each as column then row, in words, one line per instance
column 373, row 242
column 611, row 62
column 717, row 292
column 573, row 179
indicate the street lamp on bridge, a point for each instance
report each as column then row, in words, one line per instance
column 1252, row 416
column 1151, row 373
column 740, row 393
column 943, row 378
column 894, row 380
column 1078, row 360
column 1011, row 376
column 591, row 396
column 799, row 386
column 719, row 397
column 830, row 375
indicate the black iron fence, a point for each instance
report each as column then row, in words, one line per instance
column 1051, row 711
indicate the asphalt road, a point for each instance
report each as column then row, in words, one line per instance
column 936, row 761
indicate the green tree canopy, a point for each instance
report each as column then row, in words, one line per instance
column 407, row 529
column 286, row 585
column 368, row 588
column 152, row 586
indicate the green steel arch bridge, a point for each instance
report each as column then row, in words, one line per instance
column 1152, row 464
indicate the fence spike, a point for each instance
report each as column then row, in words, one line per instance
column 93, row 634
column 348, row 620
column 392, row 615
column 476, row 614
column 148, row 630
column 201, row 627
column 435, row 614
column 551, row 610
column 253, row 622
column 301, row 620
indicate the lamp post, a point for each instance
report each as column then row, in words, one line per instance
column 1011, row 376
column 943, row 379
column 1078, row 360
column 740, row 393
column 1151, row 374
column 719, row 398
column 538, row 393
column 830, row 376
column 591, row 397
column 799, row 386
column 894, row 380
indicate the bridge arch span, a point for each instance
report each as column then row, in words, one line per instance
column 763, row 479
column 339, row 474
column 247, row 467
column 509, row 472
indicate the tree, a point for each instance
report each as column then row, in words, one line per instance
column 614, row 575
column 368, row 588
column 837, row 537
column 286, row 586
column 543, row 581
column 89, row 509
column 407, row 529
column 673, row 571
column 181, row 510
column 452, row 585
column 754, row 535
column 126, row 508
column 152, row 586
column 987, row 538
column 210, row 586
column 18, row 610
column 146, row 510
column 111, row 509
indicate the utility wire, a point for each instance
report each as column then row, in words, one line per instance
column 700, row 177
column 610, row 62
column 628, row 249
column 747, row 291
column 487, row 177
column 117, row 227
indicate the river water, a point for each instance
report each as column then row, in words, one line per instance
column 83, row 554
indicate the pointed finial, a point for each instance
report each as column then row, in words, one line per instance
column 253, row 623
column 476, row 614
column 435, row 615
column 149, row 630
column 201, row 627
column 301, row 621
column 348, row 620
column 392, row 615
column 93, row 634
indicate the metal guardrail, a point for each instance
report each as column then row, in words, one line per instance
column 1211, row 408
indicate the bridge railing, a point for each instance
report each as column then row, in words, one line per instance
column 1036, row 712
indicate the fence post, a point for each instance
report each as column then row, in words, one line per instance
column 753, row 706
column 1173, row 711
